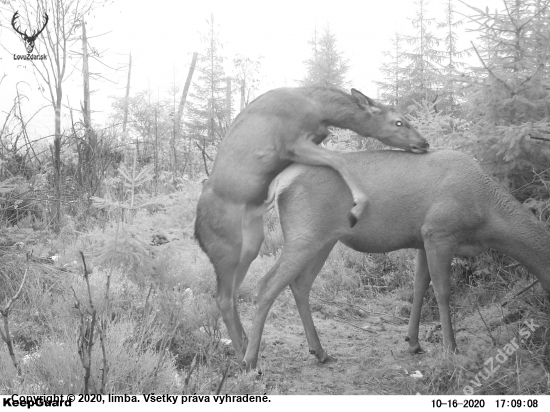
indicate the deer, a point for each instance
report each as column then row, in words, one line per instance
column 441, row 203
column 28, row 39
column 280, row 127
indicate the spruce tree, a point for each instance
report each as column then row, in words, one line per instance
column 206, row 111
column 327, row 67
column 510, row 101
column 394, row 85
column 423, row 59
column 451, row 60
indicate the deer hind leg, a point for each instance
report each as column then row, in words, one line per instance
column 294, row 258
column 421, row 284
column 218, row 231
column 224, row 253
column 252, row 238
column 225, row 256
column 226, row 299
column 301, row 288
column 231, row 240
column 440, row 254
column 307, row 152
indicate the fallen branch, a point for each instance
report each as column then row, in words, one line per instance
column 368, row 312
column 545, row 139
column 525, row 289
column 223, row 379
column 351, row 324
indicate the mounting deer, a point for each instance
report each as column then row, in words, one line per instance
column 28, row 40
column 280, row 127
column 441, row 203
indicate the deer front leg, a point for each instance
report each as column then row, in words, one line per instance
column 439, row 254
column 307, row 152
column 421, row 284
column 293, row 260
column 301, row 288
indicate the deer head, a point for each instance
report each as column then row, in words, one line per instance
column 29, row 40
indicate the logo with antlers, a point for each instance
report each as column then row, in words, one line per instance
column 28, row 39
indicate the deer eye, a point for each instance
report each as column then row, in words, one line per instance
column 399, row 123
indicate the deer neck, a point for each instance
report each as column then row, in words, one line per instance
column 525, row 239
column 337, row 108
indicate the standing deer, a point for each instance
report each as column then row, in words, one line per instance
column 441, row 203
column 278, row 128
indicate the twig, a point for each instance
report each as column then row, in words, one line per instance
column 5, row 333
column 351, row 324
column 162, row 352
column 101, row 326
column 105, row 370
column 539, row 138
column 332, row 302
column 369, row 312
column 145, row 317
column 490, row 71
column 88, row 325
column 486, row 326
column 517, row 373
column 189, row 373
column 528, row 184
column 223, row 378
column 89, row 331
column 203, row 150
column 525, row 289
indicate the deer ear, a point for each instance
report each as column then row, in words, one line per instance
column 363, row 101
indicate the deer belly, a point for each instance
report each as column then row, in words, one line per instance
column 381, row 242
column 470, row 249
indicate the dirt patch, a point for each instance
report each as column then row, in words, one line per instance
column 374, row 361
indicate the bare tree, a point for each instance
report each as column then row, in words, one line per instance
column 61, row 34
column 247, row 77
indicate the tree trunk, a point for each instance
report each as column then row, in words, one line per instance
column 56, row 206
column 228, row 102
column 185, row 91
column 182, row 103
column 86, row 110
column 204, row 156
column 125, row 121
column 242, row 95
column 156, row 150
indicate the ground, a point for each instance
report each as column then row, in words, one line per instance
column 368, row 362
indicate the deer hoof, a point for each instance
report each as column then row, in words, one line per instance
column 415, row 349
column 327, row 359
column 246, row 366
column 322, row 356
column 352, row 219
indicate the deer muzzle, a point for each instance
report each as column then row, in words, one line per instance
column 420, row 148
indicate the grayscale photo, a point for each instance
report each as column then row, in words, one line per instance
column 224, row 202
